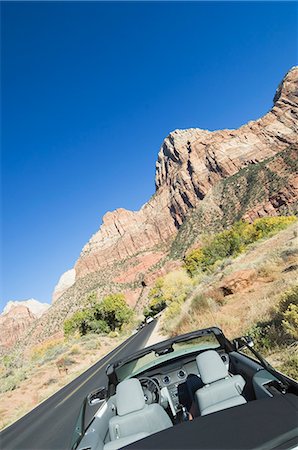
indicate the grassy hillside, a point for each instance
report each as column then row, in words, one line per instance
column 253, row 293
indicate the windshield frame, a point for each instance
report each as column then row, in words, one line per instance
column 224, row 343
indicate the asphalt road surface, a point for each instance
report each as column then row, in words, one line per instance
column 50, row 425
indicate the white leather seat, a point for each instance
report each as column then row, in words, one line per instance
column 221, row 390
column 134, row 420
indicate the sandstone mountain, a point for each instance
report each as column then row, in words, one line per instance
column 191, row 163
column 204, row 182
column 35, row 307
column 16, row 319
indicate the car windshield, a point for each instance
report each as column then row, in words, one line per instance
column 177, row 349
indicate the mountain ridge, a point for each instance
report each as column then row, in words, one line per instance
column 204, row 180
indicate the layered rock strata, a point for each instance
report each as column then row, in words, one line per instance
column 190, row 163
column 204, row 182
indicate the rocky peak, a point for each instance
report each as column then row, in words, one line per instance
column 287, row 91
column 190, row 162
column 34, row 306
column 16, row 319
column 13, row 324
column 66, row 280
column 192, row 169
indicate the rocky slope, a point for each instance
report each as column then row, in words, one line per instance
column 16, row 319
column 190, row 164
column 204, row 181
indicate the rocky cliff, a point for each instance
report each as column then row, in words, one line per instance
column 190, row 164
column 16, row 319
column 204, row 181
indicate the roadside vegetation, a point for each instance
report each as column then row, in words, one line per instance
column 88, row 336
column 109, row 315
column 168, row 292
column 278, row 336
column 230, row 243
column 242, row 280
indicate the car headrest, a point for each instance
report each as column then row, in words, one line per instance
column 211, row 367
column 129, row 396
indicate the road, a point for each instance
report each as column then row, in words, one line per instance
column 50, row 425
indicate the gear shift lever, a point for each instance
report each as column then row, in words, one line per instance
column 185, row 413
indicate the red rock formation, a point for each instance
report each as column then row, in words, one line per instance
column 204, row 180
column 14, row 324
column 190, row 163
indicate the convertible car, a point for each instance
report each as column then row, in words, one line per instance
column 194, row 391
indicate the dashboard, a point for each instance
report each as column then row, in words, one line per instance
column 173, row 380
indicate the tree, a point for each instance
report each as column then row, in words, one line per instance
column 78, row 322
column 114, row 311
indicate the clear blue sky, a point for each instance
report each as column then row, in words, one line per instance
column 89, row 91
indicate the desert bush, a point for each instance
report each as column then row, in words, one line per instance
column 232, row 242
column 281, row 329
column 50, row 381
column 269, row 270
column 173, row 311
column 290, row 321
column 48, row 350
column 289, row 365
column 174, row 287
column 290, row 296
column 75, row 350
column 199, row 304
column 113, row 334
column 157, row 301
column 93, row 345
column 269, row 225
column 12, row 381
column 13, row 360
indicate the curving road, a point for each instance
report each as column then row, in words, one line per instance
column 50, row 425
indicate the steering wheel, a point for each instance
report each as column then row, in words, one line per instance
column 151, row 390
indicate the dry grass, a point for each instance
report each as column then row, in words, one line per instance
column 44, row 379
column 238, row 312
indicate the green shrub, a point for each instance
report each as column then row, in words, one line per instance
column 174, row 287
column 199, row 304
column 13, row 380
column 268, row 225
column 173, row 312
column 283, row 326
column 157, row 301
column 264, row 335
column 290, row 296
column 99, row 318
column 98, row 326
column 289, row 365
column 113, row 334
column 290, row 321
column 79, row 322
column 232, row 242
